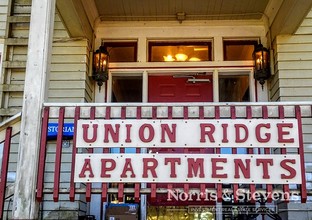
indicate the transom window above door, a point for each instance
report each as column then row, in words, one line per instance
column 186, row 51
column 121, row 51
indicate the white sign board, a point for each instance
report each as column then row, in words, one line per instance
column 188, row 168
column 188, row 133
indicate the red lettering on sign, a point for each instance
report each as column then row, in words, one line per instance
column 215, row 167
column 85, row 128
column 209, row 133
column 265, row 166
column 258, row 133
column 170, row 133
column 106, row 168
column 291, row 170
column 108, row 129
column 238, row 138
column 240, row 165
column 224, row 129
column 149, row 167
column 128, row 139
column 127, row 167
column 193, row 165
column 281, row 133
column 151, row 133
column 86, row 168
column 173, row 162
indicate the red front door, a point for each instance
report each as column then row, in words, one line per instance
column 180, row 88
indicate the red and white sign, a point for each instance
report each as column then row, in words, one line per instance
column 188, row 133
column 188, row 168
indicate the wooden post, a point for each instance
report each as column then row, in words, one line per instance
column 25, row 205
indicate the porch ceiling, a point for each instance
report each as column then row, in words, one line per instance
column 134, row 10
column 81, row 16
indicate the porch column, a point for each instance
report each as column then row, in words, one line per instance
column 35, row 92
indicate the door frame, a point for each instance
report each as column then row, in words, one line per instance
column 256, row 92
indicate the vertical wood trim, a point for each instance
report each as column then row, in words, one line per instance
column 25, row 205
column 74, row 151
column 4, row 168
column 215, row 85
column 301, row 153
column 42, row 153
column 58, row 155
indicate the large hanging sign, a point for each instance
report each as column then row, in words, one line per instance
column 188, row 168
column 213, row 133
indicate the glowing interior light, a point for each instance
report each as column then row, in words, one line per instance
column 181, row 56
column 194, row 59
column 168, row 58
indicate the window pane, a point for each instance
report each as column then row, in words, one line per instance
column 121, row 51
column 234, row 88
column 179, row 51
column 127, row 89
column 238, row 50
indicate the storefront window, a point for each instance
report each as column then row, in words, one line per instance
column 179, row 51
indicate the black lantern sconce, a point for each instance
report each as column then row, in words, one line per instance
column 262, row 64
column 100, row 66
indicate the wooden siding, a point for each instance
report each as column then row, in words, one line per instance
column 69, row 72
column 3, row 17
column 69, row 82
column 69, row 68
column 293, row 76
column 293, row 65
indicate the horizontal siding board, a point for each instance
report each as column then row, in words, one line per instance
column 70, row 43
column 62, row 75
column 296, row 83
column 295, row 99
column 20, row 50
column 66, row 84
column 67, row 100
column 69, row 67
column 309, row 15
column 299, row 56
column 298, row 65
column 293, row 74
column 71, row 93
column 307, row 22
column 60, row 34
column 18, row 75
column 21, row 9
column 304, row 30
column 295, row 47
column 3, row 9
column 20, row 33
column 70, row 58
column 4, row 2
column 69, row 50
column 296, row 91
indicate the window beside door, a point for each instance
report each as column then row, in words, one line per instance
column 234, row 88
column 127, row 89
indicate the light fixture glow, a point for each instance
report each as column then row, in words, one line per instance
column 168, row 58
column 181, row 57
column 194, row 59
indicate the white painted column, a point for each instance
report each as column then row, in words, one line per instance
column 215, row 84
column 35, row 92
